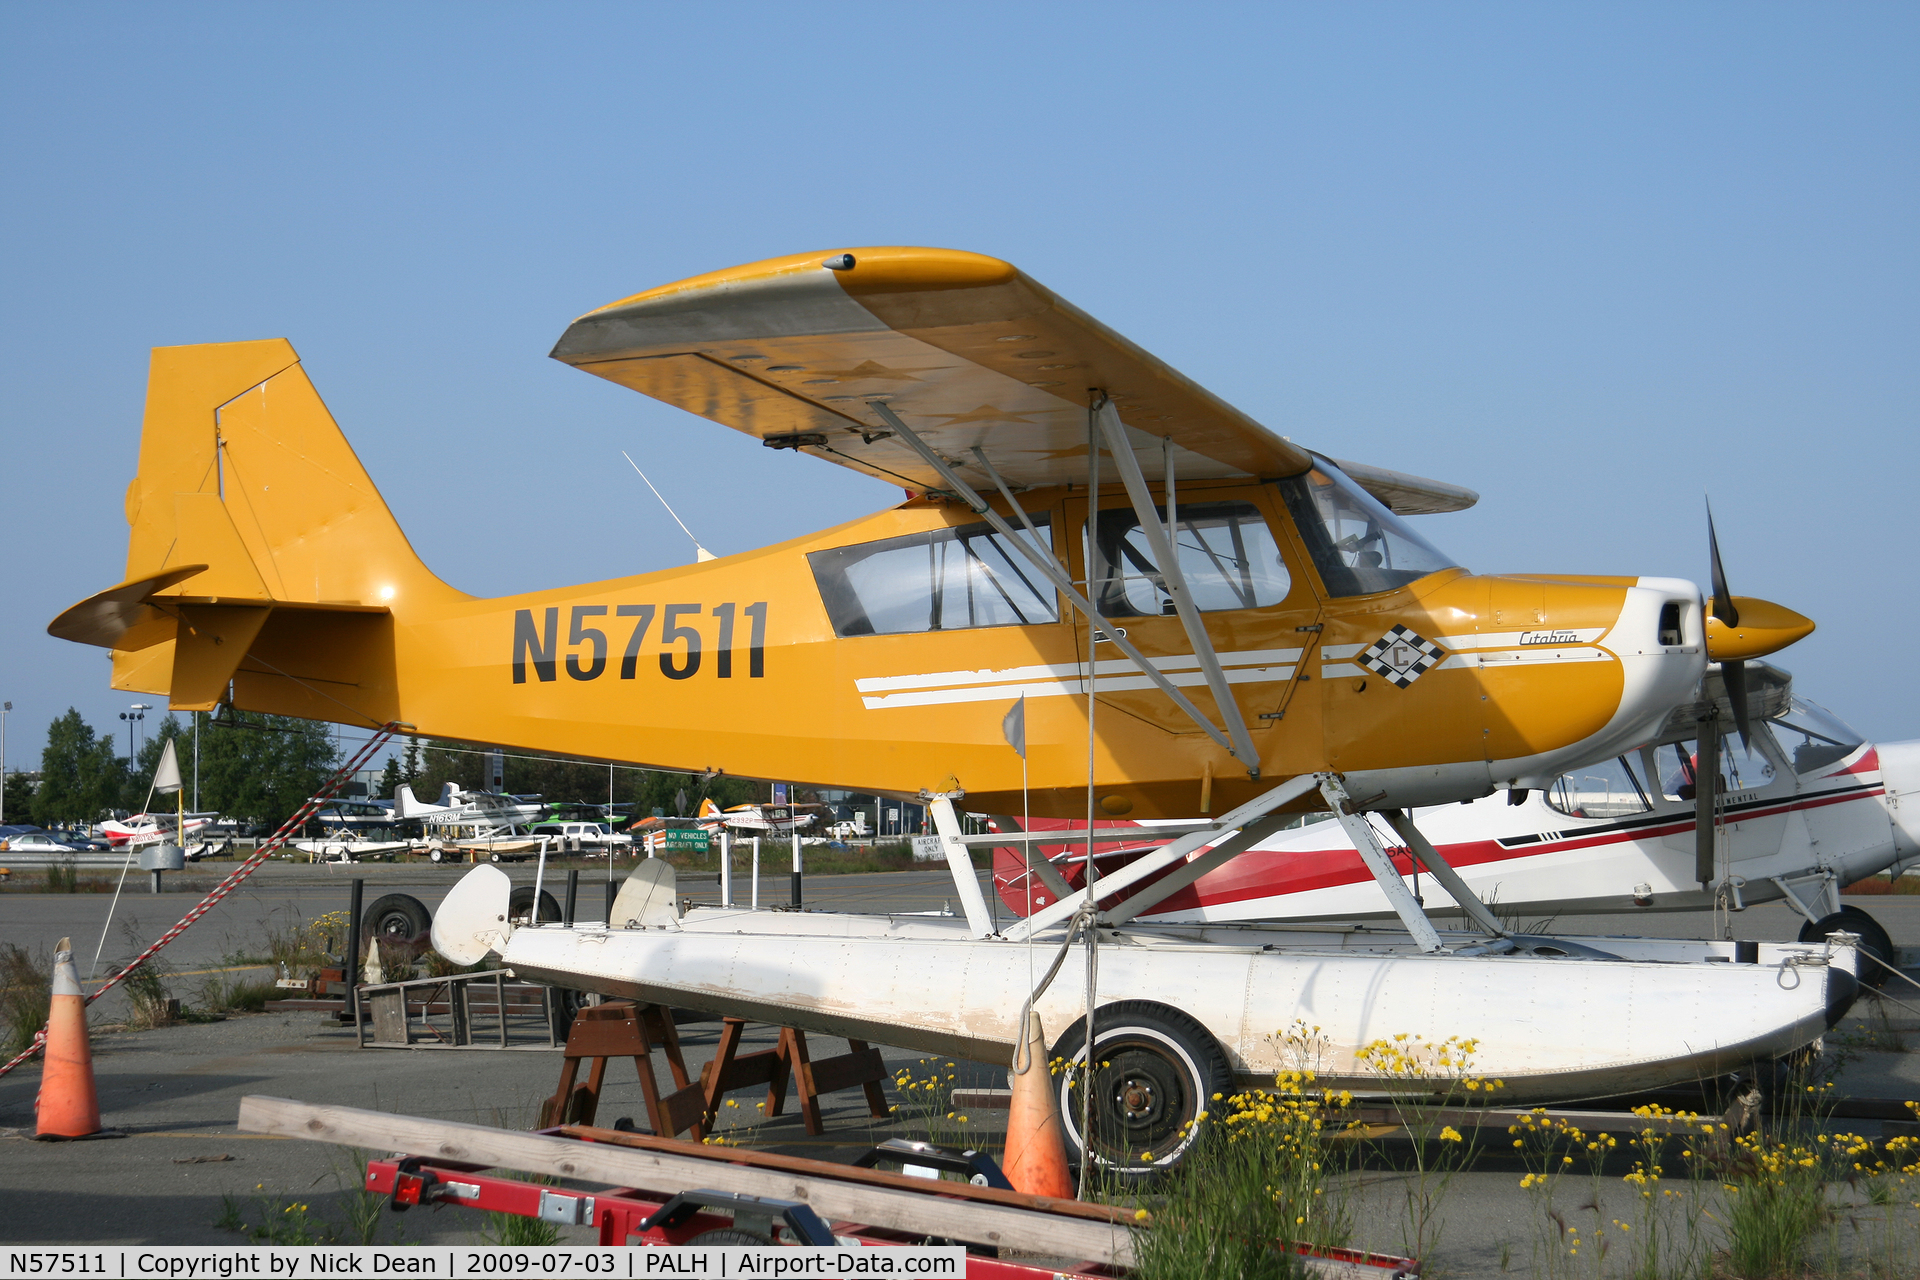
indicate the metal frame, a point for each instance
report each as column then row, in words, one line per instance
column 1047, row 565
column 960, row 863
column 459, row 1033
column 1367, row 841
column 1160, row 541
column 1401, row 820
column 1246, row 816
column 626, row 1215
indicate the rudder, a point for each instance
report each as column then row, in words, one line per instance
column 253, row 522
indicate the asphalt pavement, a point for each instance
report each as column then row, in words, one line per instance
column 175, row 1091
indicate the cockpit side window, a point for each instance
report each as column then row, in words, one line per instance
column 1228, row 558
column 1357, row 544
column 1610, row 789
column 940, row 580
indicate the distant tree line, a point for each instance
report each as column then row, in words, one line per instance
column 262, row 768
column 256, row 767
column 427, row 765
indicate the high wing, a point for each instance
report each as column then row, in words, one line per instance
column 969, row 351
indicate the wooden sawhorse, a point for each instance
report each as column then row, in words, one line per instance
column 732, row 1070
column 623, row 1029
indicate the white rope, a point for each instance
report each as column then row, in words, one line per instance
column 1081, row 919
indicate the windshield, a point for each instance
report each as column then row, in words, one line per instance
column 1358, row 545
column 1813, row 736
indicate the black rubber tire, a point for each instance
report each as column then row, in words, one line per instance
column 729, row 1235
column 395, row 918
column 567, row 1003
column 494, row 857
column 1161, row 1070
column 1873, row 940
column 520, row 906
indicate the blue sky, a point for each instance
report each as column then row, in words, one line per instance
column 1593, row 261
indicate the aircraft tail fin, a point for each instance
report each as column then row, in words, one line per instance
column 708, row 809
column 257, row 540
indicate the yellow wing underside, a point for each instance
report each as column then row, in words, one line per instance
column 969, row 351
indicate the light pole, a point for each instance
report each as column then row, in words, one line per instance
column 133, row 717
column 4, row 708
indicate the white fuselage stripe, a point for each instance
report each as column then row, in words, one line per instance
column 1064, row 688
column 1067, row 670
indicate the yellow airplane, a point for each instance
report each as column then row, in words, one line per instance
column 1251, row 611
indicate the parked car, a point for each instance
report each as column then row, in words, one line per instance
column 583, row 835
column 40, row 842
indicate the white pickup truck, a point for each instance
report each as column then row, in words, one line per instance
column 581, row 835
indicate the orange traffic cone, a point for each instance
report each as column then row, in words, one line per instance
column 1036, row 1160
column 68, row 1107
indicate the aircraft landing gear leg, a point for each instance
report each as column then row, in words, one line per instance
column 1401, row 820
column 1367, row 841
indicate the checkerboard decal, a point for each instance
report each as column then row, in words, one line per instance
column 1402, row 656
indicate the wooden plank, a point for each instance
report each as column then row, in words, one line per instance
column 390, row 1017
column 928, row 1211
column 848, row 1071
column 848, row 1173
column 748, row 1069
column 685, row 1109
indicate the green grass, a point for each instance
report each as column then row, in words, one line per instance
column 26, row 985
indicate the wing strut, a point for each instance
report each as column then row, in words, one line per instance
column 1367, row 841
column 1253, row 820
column 1401, row 820
column 1161, row 539
column 1046, row 564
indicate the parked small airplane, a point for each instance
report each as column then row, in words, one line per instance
column 153, row 828
column 357, row 815
column 1225, row 568
column 757, row 819
column 457, row 807
column 1806, row 806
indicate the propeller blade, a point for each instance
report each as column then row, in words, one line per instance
column 1734, row 674
column 1706, row 781
column 1723, row 608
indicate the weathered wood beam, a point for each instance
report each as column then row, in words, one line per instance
column 920, row 1213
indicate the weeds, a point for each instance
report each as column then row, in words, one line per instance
column 928, row 1095
column 220, row 994
column 510, row 1229
column 63, row 876
column 26, row 994
column 152, row 1004
column 1876, row 1032
column 1421, row 1079
column 296, row 947
column 286, row 1221
column 282, row 1221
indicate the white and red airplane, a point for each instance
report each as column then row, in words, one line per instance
column 756, row 819
column 152, row 828
column 1806, row 806
column 465, row 808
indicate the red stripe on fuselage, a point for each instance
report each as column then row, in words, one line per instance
column 1263, row 873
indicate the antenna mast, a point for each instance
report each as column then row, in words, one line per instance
column 700, row 553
